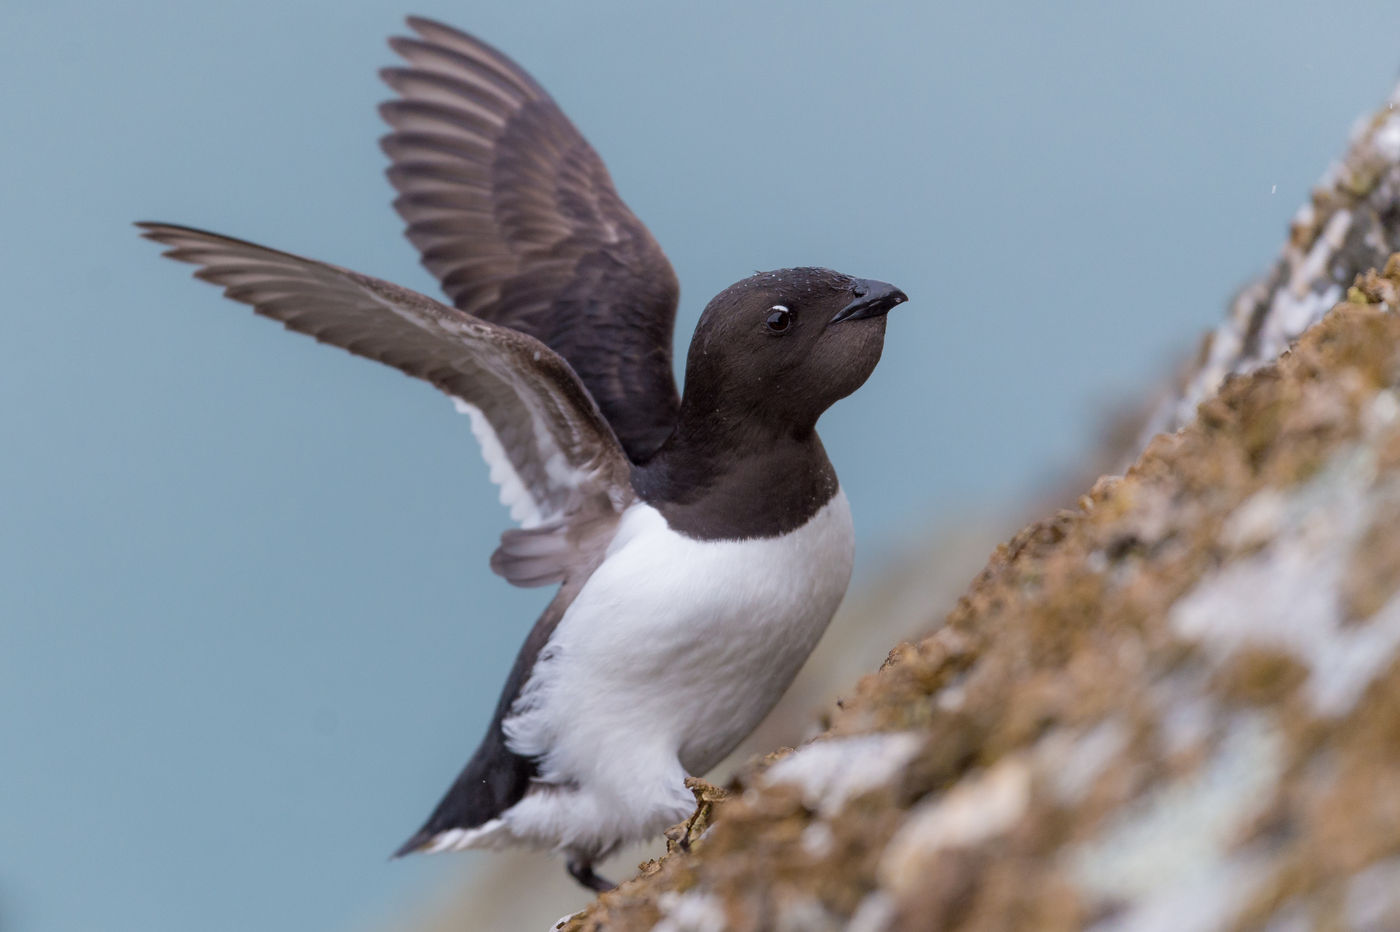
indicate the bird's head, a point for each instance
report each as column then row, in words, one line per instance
column 784, row 346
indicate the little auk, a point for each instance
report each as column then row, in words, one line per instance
column 701, row 543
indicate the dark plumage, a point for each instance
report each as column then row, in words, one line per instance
column 517, row 217
column 559, row 348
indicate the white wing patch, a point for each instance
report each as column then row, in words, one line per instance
column 524, row 510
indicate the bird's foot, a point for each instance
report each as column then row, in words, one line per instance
column 681, row 836
column 582, row 871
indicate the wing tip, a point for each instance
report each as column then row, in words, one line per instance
column 433, row 30
column 154, row 229
column 396, row 76
column 440, row 37
column 168, row 233
column 424, row 24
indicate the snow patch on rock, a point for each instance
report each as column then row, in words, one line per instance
column 690, row 912
column 1288, row 595
column 828, row 773
column 1167, row 861
column 974, row 810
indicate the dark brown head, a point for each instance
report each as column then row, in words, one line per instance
column 779, row 348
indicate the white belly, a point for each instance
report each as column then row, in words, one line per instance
column 675, row 649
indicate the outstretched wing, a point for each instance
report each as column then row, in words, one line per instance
column 560, row 469
column 517, row 217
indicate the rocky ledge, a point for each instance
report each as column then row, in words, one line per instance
column 1176, row 706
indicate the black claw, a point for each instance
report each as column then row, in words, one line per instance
column 582, row 871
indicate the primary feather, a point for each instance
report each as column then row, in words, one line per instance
column 552, row 452
column 517, row 217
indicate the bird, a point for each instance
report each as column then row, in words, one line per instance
column 700, row 542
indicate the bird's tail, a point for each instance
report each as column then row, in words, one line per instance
column 469, row 814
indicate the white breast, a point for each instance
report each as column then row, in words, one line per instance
column 675, row 648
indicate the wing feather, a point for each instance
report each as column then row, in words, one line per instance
column 517, row 217
column 553, row 454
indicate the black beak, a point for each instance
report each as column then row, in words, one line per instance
column 872, row 299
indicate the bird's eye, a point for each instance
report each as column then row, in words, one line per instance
column 779, row 319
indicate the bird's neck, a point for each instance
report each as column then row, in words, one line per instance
column 727, row 478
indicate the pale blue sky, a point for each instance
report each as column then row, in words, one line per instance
column 247, row 630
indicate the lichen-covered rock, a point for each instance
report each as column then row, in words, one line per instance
column 1176, row 706
column 1352, row 224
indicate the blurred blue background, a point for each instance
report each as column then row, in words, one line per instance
column 247, row 630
